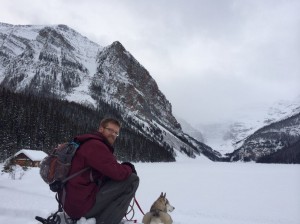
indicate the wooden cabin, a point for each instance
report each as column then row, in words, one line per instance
column 27, row 157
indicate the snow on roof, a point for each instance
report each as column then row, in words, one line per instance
column 34, row 155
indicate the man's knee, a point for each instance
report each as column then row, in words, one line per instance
column 134, row 178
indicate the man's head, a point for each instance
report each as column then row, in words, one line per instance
column 110, row 128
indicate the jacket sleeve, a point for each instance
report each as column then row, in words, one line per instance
column 99, row 157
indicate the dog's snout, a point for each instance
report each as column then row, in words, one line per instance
column 170, row 208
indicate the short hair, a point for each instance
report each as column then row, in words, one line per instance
column 104, row 122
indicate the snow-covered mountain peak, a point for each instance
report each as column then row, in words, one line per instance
column 228, row 136
column 282, row 109
column 58, row 61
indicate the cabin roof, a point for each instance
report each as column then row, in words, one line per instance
column 34, row 155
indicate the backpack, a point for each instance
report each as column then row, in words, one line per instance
column 54, row 169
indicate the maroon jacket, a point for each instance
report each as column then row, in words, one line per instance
column 81, row 190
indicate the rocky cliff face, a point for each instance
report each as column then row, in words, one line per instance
column 57, row 61
column 43, row 60
column 126, row 82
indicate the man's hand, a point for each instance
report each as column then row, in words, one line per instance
column 131, row 166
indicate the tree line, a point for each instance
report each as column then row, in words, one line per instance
column 40, row 123
column 289, row 154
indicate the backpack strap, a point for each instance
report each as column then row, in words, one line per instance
column 75, row 174
column 78, row 172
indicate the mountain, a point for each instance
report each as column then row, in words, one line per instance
column 228, row 136
column 56, row 61
column 288, row 154
column 275, row 140
column 217, row 136
column 190, row 130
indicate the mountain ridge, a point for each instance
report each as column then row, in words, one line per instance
column 269, row 140
column 45, row 60
column 57, row 61
column 229, row 136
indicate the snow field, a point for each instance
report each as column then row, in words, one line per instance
column 201, row 192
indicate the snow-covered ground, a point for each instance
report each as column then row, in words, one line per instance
column 200, row 190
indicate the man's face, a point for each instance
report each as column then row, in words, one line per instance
column 110, row 132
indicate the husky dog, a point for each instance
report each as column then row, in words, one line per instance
column 159, row 212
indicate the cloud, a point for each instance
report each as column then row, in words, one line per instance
column 212, row 59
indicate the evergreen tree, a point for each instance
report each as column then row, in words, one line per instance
column 39, row 123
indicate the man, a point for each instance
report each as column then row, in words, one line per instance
column 104, row 191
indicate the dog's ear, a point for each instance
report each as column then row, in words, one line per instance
column 163, row 195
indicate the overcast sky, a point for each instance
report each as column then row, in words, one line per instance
column 213, row 59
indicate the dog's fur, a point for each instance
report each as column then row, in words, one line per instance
column 159, row 212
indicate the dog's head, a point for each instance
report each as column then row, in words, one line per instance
column 163, row 204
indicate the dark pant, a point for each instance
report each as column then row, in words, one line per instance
column 113, row 200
